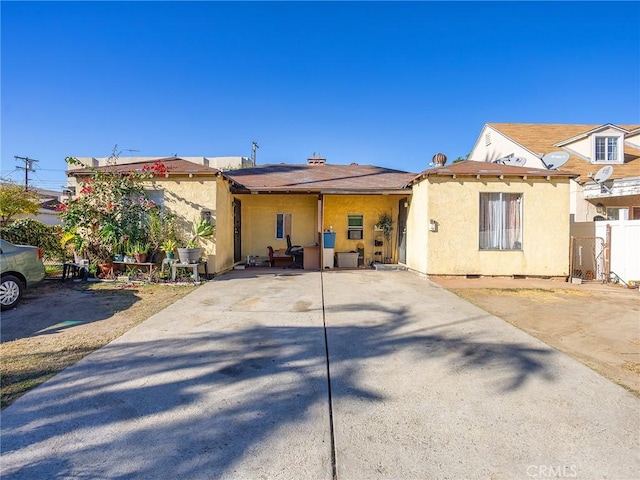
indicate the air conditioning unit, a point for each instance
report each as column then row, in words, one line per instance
column 590, row 174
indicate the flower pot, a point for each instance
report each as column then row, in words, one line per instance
column 118, row 257
column 170, row 255
column 140, row 257
column 189, row 255
column 105, row 269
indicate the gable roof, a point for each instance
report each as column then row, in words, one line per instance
column 472, row 168
column 326, row 178
column 175, row 166
column 543, row 138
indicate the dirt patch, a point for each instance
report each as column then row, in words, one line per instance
column 599, row 325
column 58, row 323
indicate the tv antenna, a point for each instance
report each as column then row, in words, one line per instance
column 130, row 150
column 28, row 167
column 602, row 176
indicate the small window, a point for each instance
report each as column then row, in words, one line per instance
column 156, row 196
column 617, row 213
column 500, row 221
column 355, row 227
column 606, row 149
column 487, row 139
column 283, row 225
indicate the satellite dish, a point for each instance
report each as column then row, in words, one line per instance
column 503, row 160
column 515, row 161
column 555, row 160
column 603, row 174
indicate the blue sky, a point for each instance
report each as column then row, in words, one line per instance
column 387, row 84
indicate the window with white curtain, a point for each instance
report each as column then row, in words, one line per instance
column 606, row 149
column 500, row 221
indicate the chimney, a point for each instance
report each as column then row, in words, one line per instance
column 316, row 160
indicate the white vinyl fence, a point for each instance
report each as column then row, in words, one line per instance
column 624, row 246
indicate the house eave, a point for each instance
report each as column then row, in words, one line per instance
column 620, row 187
column 588, row 133
column 289, row 191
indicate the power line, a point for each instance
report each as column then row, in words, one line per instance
column 28, row 167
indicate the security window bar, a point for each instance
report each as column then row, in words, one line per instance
column 355, row 227
column 283, row 225
column 606, row 149
column 500, row 221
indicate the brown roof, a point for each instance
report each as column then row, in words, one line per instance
column 483, row 169
column 542, row 138
column 320, row 178
column 175, row 166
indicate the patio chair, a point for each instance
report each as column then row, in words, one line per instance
column 297, row 252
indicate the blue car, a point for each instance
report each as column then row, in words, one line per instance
column 21, row 267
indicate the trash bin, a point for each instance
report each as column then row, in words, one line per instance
column 329, row 240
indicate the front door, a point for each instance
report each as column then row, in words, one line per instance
column 237, row 232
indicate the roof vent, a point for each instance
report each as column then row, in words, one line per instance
column 439, row 159
column 316, row 160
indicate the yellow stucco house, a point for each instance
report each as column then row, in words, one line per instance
column 304, row 201
column 471, row 218
column 468, row 218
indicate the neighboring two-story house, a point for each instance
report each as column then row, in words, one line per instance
column 590, row 148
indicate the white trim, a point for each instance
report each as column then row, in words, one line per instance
column 619, row 147
column 590, row 132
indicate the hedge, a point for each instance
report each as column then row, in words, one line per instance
column 28, row 231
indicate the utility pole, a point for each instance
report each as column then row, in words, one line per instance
column 28, row 167
column 254, row 147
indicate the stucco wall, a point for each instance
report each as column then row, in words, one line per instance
column 418, row 229
column 499, row 147
column 224, row 226
column 454, row 248
column 338, row 207
column 259, row 221
column 186, row 198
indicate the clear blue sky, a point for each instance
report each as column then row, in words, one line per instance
column 387, row 84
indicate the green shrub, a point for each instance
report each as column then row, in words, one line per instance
column 28, row 231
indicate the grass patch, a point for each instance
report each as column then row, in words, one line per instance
column 28, row 362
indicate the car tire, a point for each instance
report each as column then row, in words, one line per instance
column 11, row 289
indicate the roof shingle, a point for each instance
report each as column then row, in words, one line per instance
column 542, row 138
column 320, row 178
column 175, row 166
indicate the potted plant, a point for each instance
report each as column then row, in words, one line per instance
column 128, row 252
column 168, row 247
column 202, row 228
column 385, row 223
column 140, row 250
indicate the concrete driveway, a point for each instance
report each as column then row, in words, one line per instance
column 232, row 382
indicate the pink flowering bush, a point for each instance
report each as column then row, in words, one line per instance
column 110, row 210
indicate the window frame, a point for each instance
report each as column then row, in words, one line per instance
column 355, row 232
column 619, row 149
column 281, row 218
column 518, row 244
column 622, row 213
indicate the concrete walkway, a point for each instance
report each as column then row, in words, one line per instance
column 231, row 382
